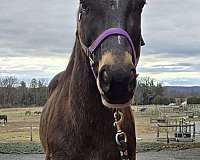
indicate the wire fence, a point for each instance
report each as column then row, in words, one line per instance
column 18, row 133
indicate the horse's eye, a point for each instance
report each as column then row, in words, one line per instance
column 84, row 8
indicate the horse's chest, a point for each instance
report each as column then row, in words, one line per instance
column 75, row 149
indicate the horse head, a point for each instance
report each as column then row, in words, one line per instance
column 109, row 32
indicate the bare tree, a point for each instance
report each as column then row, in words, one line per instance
column 15, row 93
column 8, row 85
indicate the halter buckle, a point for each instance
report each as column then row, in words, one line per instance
column 119, row 117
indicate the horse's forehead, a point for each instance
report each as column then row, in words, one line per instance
column 117, row 2
column 110, row 4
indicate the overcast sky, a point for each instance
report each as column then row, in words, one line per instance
column 36, row 39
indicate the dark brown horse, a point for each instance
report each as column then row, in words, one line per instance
column 4, row 118
column 77, row 120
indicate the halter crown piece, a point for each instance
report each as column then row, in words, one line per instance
column 107, row 33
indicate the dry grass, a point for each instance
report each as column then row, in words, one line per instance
column 144, row 130
column 15, row 136
column 18, row 127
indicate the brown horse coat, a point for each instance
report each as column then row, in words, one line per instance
column 74, row 124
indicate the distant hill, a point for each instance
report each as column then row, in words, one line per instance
column 171, row 90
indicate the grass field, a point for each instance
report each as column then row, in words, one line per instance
column 15, row 135
column 19, row 125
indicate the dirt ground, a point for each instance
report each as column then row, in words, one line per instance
column 21, row 157
column 147, row 132
column 190, row 154
column 144, row 130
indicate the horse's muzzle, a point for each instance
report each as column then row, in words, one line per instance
column 117, row 85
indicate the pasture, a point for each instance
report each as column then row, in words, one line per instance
column 146, row 118
column 15, row 136
column 20, row 122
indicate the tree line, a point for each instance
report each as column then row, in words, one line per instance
column 150, row 91
column 18, row 93
column 14, row 92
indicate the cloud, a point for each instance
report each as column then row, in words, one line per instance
column 37, row 25
column 174, row 70
column 172, row 26
column 32, row 33
column 181, row 81
column 37, row 67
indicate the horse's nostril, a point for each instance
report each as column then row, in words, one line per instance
column 105, row 80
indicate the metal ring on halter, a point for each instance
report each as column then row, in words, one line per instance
column 119, row 117
column 119, row 139
column 116, row 114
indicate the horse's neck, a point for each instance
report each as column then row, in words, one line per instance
column 85, row 100
column 90, row 120
column 82, row 82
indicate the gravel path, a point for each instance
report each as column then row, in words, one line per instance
column 190, row 154
column 21, row 157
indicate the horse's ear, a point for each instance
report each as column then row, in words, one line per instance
column 142, row 41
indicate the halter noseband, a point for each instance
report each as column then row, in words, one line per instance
column 107, row 33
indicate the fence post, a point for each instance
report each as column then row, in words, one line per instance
column 167, row 136
column 158, row 131
column 194, row 131
column 31, row 133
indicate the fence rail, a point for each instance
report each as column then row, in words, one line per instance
column 19, row 133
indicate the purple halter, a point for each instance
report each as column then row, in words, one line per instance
column 110, row 32
column 107, row 33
